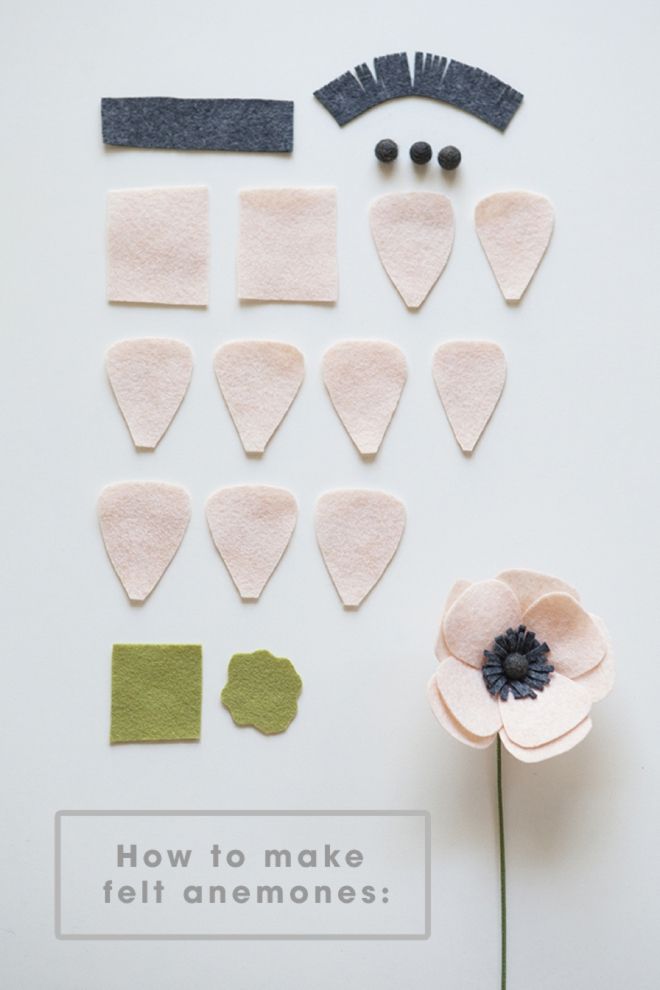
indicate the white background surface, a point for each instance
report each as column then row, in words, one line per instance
column 564, row 480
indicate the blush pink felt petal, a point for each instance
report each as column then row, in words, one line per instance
column 557, row 709
column 142, row 523
column 465, row 694
column 599, row 681
column 448, row 722
column 514, row 229
column 456, row 591
column 485, row 610
column 555, row 748
column 251, row 526
column 576, row 643
column 358, row 532
column 469, row 376
column 364, row 379
column 259, row 379
column 529, row 586
column 413, row 233
column 149, row 378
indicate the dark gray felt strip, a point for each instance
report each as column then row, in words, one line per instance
column 436, row 77
column 198, row 125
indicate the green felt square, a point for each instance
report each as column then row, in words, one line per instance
column 156, row 692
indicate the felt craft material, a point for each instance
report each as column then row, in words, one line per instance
column 436, row 77
column 448, row 722
column 599, row 681
column 262, row 691
column 556, row 710
column 251, row 526
column 554, row 748
column 576, row 642
column 358, row 532
column 142, row 524
column 259, row 380
column 364, row 379
column 484, row 610
column 514, row 229
column 413, row 233
column 149, row 378
column 462, row 689
column 156, row 692
column 529, row 586
column 158, row 245
column 457, row 590
column 469, row 376
column 208, row 125
column 287, row 248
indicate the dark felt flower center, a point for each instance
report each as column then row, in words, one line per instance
column 516, row 664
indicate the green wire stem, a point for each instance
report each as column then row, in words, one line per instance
column 500, row 816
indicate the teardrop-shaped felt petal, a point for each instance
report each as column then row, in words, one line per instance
column 467, row 698
column 448, row 722
column 413, row 233
column 599, row 681
column 259, row 380
column 142, row 524
column 485, row 610
column 469, row 376
column 557, row 709
column 251, row 526
column 555, row 748
column 529, row 586
column 514, row 229
column 576, row 643
column 358, row 532
column 149, row 378
column 364, row 379
column 457, row 589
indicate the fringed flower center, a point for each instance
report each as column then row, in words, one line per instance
column 515, row 664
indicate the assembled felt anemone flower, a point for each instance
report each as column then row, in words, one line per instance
column 519, row 657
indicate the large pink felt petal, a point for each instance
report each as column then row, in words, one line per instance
column 259, row 380
column 599, row 681
column 486, row 610
column 529, row 586
column 251, row 526
column 576, row 643
column 469, row 376
column 358, row 532
column 413, row 233
column 364, row 379
column 556, row 710
column 448, row 722
column 150, row 378
column 555, row 748
column 142, row 523
column 514, row 229
column 441, row 650
column 467, row 698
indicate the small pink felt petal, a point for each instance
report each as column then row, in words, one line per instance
column 358, row 532
column 529, row 586
column 485, row 610
column 514, row 229
column 599, row 681
column 150, row 378
column 142, row 524
column 467, row 698
column 469, row 376
column 448, row 722
column 251, row 526
column 557, row 709
column 364, row 379
column 576, row 643
column 259, row 380
column 413, row 233
column 555, row 748
column 456, row 591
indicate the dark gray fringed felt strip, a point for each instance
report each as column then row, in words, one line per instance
column 436, row 77
column 198, row 125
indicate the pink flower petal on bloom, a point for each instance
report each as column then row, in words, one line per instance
column 529, row 586
column 600, row 680
column 538, row 753
column 576, row 643
column 457, row 590
column 448, row 722
column 466, row 696
column 556, row 710
column 485, row 610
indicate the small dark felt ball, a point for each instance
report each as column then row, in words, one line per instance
column 449, row 158
column 386, row 150
column 421, row 152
